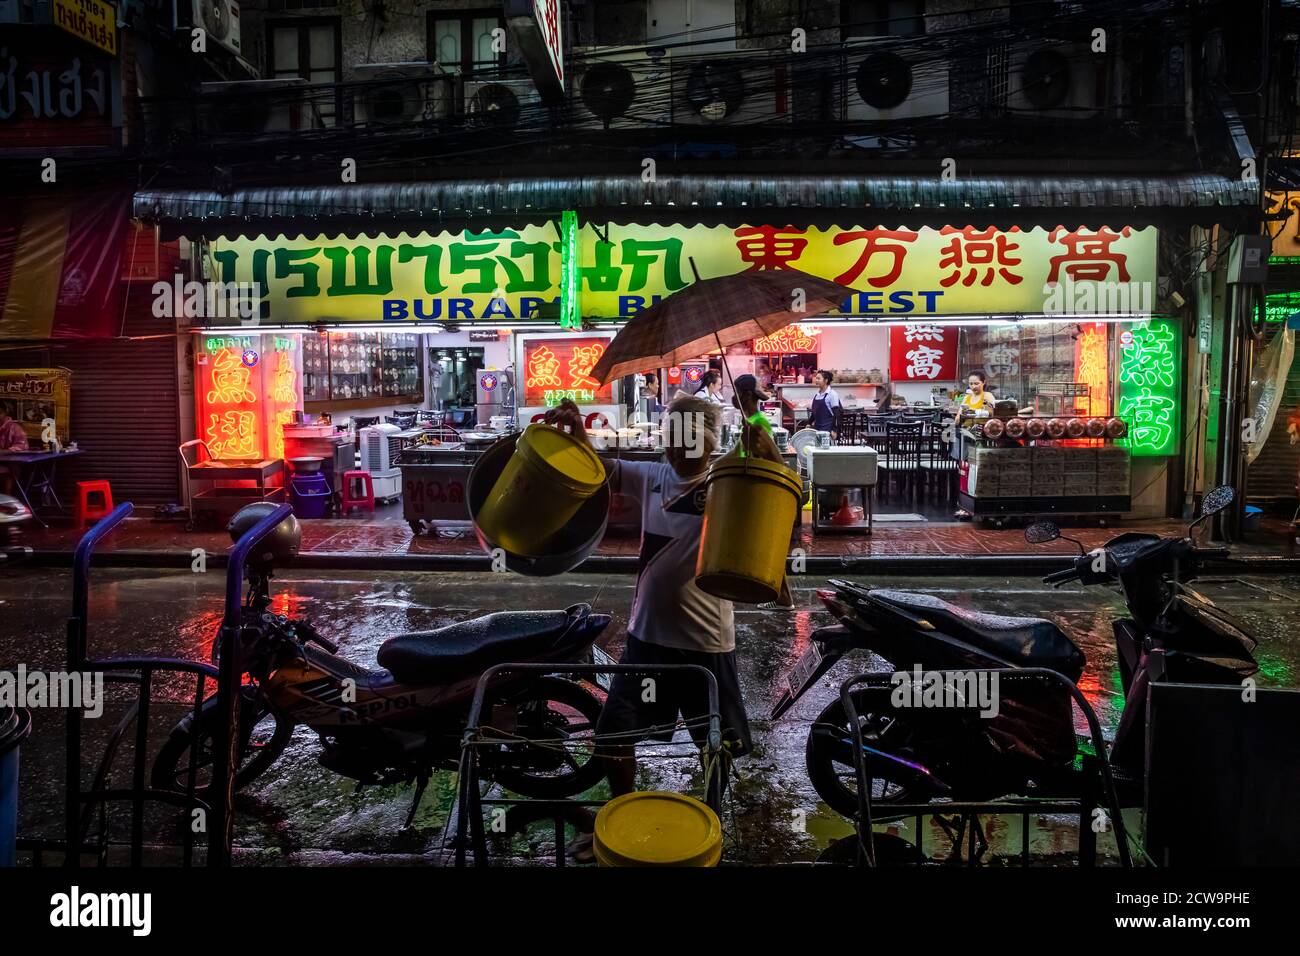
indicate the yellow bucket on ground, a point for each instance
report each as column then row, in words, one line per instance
column 652, row 828
column 748, row 516
column 546, row 481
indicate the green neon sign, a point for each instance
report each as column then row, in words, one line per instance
column 570, row 295
column 1150, row 387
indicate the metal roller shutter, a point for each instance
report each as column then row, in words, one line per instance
column 124, row 406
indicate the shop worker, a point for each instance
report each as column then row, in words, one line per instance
column 826, row 405
column 711, row 387
column 12, row 439
column 978, row 400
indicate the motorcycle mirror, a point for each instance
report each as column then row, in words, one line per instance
column 1217, row 499
column 1041, row 532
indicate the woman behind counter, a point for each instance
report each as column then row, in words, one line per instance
column 826, row 405
column 978, row 400
column 711, row 387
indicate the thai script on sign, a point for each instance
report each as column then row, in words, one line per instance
column 51, row 93
column 92, row 20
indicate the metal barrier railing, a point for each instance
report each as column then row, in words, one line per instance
column 1097, row 768
column 470, row 802
column 142, row 672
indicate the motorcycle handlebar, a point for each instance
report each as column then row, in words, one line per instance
column 1060, row 577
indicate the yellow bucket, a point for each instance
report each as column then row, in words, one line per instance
column 651, row 828
column 748, row 515
column 541, row 488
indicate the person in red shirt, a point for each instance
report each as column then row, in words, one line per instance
column 12, row 438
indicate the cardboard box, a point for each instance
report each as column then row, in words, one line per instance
column 1075, row 486
column 1047, row 454
column 1047, row 487
column 1112, row 488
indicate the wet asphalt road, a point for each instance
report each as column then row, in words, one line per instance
column 301, row 813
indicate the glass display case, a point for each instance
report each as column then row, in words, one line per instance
column 360, row 368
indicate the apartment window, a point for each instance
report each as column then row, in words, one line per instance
column 311, row 48
column 461, row 40
column 882, row 18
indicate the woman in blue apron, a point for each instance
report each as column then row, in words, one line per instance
column 826, row 406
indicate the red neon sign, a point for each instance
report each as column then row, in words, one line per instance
column 560, row 368
column 791, row 339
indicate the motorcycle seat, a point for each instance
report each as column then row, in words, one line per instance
column 1021, row 641
column 445, row 653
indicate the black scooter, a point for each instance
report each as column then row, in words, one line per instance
column 1029, row 746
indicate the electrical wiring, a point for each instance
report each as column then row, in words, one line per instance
column 822, row 75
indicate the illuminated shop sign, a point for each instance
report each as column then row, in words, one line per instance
column 790, row 340
column 247, row 388
column 560, row 368
column 512, row 274
column 1149, row 387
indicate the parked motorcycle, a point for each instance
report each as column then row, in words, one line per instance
column 14, row 516
column 405, row 718
column 1029, row 747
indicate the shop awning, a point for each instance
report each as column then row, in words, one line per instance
column 61, row 266
column 1003, row 200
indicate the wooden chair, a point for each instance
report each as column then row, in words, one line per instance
column 852, row 426
column 902, row 457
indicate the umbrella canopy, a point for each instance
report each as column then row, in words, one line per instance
column 714, row 313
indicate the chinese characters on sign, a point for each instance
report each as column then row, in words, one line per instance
column 791, row 340
column 922, row 353
column 1148, row 387
column 509, row 274
column 560, row 368
column 242, row 406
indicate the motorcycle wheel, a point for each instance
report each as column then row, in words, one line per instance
column 555, row 710
column 834, row 779
column 265, row 735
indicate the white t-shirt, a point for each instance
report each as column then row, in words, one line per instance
column 669, row 609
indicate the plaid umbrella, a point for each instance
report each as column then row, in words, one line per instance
column 714, row 313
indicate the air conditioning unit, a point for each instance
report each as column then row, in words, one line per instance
column 402, row 94
column 726, row 91
column 1061, row 80
column 253, row 107
column 504, row 105
column 218, row 18
column 890, row 86
column 379, row 452
column 617, row 89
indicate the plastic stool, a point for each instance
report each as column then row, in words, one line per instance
column 366, row 500
column 86, row 512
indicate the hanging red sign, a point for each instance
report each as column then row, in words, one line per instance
column 922, row 353
column 788, row 341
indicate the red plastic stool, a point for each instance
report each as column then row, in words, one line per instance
column 87, row 512
column 366, row 500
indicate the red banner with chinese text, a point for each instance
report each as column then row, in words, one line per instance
column 923, row 353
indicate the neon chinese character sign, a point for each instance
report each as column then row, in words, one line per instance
column 1149, row 381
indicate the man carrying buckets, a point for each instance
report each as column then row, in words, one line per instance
column 672, row 620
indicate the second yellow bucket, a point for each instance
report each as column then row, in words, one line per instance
column 748, row 515
column 652, row 828
column 549, row 476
